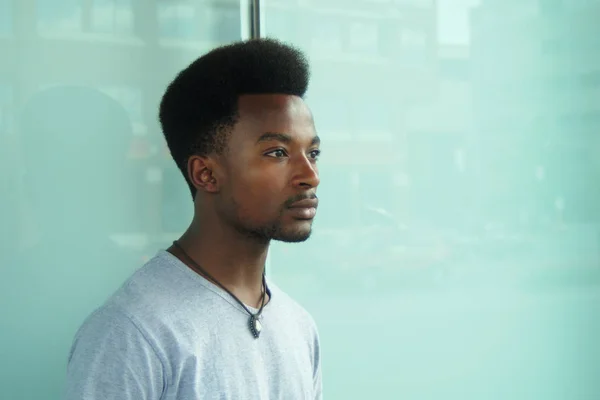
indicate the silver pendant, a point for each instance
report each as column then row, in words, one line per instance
column 255, row 326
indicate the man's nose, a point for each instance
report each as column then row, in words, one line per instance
column 307, row 174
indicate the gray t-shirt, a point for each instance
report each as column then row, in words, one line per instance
column 169, row 334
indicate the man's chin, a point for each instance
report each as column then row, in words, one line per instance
column 293, row 236
column 292, row 239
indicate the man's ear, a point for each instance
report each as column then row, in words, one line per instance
column 202, row 173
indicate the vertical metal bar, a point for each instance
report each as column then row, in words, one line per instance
column 252, row 19
column 255, row 19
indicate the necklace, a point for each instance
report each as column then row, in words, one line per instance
column 254, row 321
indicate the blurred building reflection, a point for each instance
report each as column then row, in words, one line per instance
column 435, row 137
column 535, row 90
column 441, row 143
column 127, row 49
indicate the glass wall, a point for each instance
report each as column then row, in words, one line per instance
column 457, row 251
column 87, row 187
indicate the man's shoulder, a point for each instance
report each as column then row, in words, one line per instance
column 148, row 284
column 151, row 293
column 146, row 303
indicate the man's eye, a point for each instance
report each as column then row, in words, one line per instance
column 277, row 153
column 315, row 154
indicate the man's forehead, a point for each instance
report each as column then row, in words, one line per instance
column 274, row 104
column 260, row 114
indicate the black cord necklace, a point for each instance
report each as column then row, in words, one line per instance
column 254, row 322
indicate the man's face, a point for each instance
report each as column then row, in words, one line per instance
column 270, row 169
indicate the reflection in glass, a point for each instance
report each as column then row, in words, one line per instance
column 86, row 189
column 457, row 247
column 111, row 16
column 63, row 16
column 459, row 224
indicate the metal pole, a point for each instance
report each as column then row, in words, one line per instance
column 255, row 19
column 252, row 19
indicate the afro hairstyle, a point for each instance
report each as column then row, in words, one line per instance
column 200, row 106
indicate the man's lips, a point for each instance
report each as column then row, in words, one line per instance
column 306, row 203
column 304, row 209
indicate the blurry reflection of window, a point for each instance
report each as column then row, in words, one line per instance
column 112, row 16
column 222, row 21
column 59, row 16
column 326, row 37
column 130, row 98
column 332, row 115
column 190, row 21
column 413, row 46
column 411, row 38
column 363, row 38
column 372, row 120
column 284, row 21
column 176, row 19
column 89, row 16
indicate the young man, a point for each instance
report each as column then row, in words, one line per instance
column 200, row 321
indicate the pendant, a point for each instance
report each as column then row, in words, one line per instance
column 255, row 326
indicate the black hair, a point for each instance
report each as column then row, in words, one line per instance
column 200, row 106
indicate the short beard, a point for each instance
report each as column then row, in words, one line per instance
column 264, row 235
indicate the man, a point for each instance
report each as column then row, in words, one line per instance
column 200, row 321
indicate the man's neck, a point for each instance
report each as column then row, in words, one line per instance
column 233, row 261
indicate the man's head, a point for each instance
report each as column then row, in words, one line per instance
column 238, row 129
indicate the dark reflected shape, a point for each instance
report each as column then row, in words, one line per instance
column 73, row 144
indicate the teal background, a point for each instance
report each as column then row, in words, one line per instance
column 456, row 252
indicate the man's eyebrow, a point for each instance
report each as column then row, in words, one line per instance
column 284, row 138
column 274, row 136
